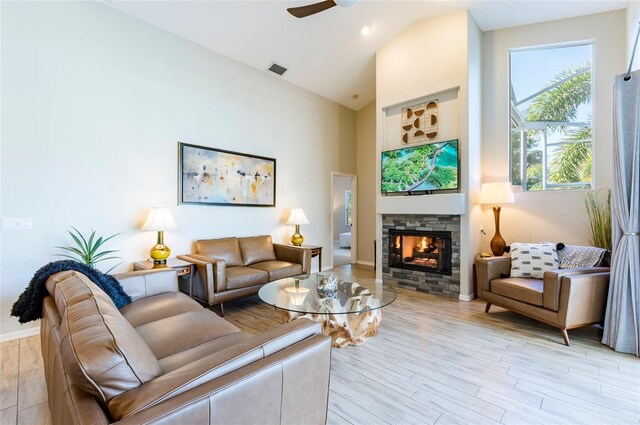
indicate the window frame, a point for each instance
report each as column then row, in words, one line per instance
column 554, row 187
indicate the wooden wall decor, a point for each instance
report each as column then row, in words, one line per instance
column 420, row 122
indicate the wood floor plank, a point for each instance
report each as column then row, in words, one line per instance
column 9, row 356
column 32, row 388
column 461, row 412
column 352, row 412
column 9, row 416
column 8, row 390
column 30, row 355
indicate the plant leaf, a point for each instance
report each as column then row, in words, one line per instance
column 77, row 240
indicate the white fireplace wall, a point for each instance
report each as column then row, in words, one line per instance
column 435, row 58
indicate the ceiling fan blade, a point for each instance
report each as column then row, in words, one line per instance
column 311, row 9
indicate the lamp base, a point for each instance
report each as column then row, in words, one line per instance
column 297, row 239
column 497, row 242
column 160, row 252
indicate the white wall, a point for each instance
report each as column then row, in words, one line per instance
column 557, row 216
column 367, row 183
column 633, row 22
column 340, row 184
column 433, row 58
column 93, row 104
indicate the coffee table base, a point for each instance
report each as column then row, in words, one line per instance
column 344, row 329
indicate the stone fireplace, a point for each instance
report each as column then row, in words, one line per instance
column 422, row 252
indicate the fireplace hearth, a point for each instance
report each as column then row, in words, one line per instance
column 427, row 251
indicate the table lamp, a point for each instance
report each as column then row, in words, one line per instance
column 159, row 219
column 297, row 217
column 497, row 193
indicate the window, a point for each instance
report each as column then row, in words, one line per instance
column 347, row 208
column 550, row 108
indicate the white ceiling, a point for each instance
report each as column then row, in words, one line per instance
column 325, row 53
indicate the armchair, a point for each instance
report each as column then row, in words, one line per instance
column 564, row 298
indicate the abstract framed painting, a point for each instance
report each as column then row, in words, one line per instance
column 209, row 176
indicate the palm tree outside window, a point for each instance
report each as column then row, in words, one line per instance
column 550, row 110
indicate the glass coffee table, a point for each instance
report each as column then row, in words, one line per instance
column 350, row 311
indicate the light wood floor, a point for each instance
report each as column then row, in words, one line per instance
column 435, row 361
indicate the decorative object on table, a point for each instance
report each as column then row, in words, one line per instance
column 28, row 307
column 497, row 193
column 159, row 219
column 209, row 176
column 532, row 260
column 420, row 122
column 327, row 286
column 297, row 293
column 297, row 217
column 86, row 250
column 599, row 213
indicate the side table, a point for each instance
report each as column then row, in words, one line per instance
column 183, row 268
column 316, row 251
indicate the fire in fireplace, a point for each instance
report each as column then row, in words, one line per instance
column 428, row 251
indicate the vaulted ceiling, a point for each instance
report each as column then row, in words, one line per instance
column 328, row 53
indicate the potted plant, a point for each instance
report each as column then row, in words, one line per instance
column 87, row 250
column 599, row 213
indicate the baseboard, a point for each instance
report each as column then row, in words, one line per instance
column 22, row 333
column 465, row 297
column 379, row 281
column 324, row 269
column 365, row 263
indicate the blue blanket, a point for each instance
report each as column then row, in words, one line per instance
column 29, row 304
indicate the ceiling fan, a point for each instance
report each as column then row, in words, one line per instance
column 312, row 9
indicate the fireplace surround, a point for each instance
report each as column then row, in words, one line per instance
column 422, row 279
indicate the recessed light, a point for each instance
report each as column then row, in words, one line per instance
column 355, row 96
column 365, row 30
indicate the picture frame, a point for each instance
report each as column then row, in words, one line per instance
column 211, row 176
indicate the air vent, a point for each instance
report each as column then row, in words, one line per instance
column 277, row 69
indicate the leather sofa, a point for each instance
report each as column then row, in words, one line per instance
column 232, row 268
column 166, row 359
column 564, row 298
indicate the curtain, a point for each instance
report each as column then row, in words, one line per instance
column 622, row 320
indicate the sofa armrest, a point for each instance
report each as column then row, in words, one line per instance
column 217, row 365
column 294, row 254
column 583, row 299
column 212, row 272
column 552, row 283
column 146, row 283
column 491, row 268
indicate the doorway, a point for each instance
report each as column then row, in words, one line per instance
column 343, row 218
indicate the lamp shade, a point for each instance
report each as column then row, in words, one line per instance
column 159, row 219
column 297, row 217
column 496, row 193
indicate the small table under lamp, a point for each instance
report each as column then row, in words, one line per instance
column 497, row 193
column 159, row 219
column 297, row 217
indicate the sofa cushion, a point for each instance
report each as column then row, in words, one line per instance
column 532, row 260
column 226, row 249
column 101, row 351
column 244, row 277
column 278, row 269
column 190, row 355
column 256, row 249
column 521, row 289
column 158, row 307
column 174, row 334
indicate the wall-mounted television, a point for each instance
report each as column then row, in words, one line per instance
column 421, row 169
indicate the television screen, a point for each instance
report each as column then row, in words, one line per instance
column 423, row 168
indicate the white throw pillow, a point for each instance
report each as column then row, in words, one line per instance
column 532, row 260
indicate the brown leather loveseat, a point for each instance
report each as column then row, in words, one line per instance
column 166, row 359
column 564, row 298
column 232, row 268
